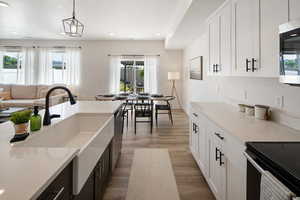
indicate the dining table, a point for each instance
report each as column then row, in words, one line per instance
column 133, row 99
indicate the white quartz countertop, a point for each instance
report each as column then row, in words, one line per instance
column 26, row 171
column 245, row 128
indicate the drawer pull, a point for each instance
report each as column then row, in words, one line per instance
column 219, row 136
column 217, row 152
column 195, row 114
column 221, row 161
column 59, row 193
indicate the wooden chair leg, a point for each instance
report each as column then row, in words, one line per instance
column 135, row 124
column 171, row 117
column 156, row 116
column 127, row 119
column 151, row 124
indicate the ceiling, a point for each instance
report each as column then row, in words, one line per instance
column 103, row 19
column 176, row 20
column 192, row 25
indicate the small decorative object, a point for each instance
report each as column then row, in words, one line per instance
column 249, row 110
column 242, row 108
column 196, row 68
column 20, row 120
column 72, row 26
column 261, row 112
column 35, row 120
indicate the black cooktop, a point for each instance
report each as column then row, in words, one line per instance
column 282, row 158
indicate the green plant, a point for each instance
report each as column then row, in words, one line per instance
column 21, row 117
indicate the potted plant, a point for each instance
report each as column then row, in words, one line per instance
column 20, row 120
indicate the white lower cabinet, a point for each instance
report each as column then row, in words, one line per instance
column 220, row 158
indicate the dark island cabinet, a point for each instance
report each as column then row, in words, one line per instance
column 97, row 182
column 61, row 187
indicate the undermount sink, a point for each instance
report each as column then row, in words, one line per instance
column 90, row 133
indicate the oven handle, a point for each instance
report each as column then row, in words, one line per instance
column 261, row 170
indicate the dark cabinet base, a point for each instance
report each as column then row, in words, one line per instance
column 61, row 187
column 96, row 184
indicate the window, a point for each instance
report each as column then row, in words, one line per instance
column 58, row 66
column 11, row 67
column 132, row 76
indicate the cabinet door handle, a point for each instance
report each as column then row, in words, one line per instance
column 195, row 114
column 196, row 128
column 217, row 68
column 219, row 136
column 247, row 65
column 217, row 152
column 253, row 64
column 59, row 193
column 221, row 161
column 214, row 68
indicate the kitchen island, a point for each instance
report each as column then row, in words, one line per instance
column 27, row 168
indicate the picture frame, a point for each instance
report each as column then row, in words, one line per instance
column 196, row 68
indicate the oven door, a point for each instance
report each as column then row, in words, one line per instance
column 290, row 56
column 255, row 169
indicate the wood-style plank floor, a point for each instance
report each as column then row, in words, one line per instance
column 190, row 181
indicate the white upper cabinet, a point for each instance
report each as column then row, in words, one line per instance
column 273, row 13
column 214, row 45
column 220, row 41
column 294, row 9
column 246, row 37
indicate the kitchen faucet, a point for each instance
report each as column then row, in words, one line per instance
column 47, row 116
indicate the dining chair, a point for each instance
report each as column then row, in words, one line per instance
column 164, row 107
column 143, row 108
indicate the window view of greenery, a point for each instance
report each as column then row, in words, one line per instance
column 10, row 60
column 132, row 76
column 10, row 71
column 58, row 60
column 292, row 64
column 58, row 66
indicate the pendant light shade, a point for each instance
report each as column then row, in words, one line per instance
column 72, row 26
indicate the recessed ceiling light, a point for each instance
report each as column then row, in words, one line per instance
column 4, row 4
column 14, row 33
column 2, row 191
column 111, row 34
column 158, row 34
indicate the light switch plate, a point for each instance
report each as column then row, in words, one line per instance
column 279, row 102
column 245, row 95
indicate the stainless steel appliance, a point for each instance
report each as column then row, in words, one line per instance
column 290, row 53
column 279, row 159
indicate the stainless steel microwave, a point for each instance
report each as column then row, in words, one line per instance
column 290, row 53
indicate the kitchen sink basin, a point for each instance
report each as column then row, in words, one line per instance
column 90, row 133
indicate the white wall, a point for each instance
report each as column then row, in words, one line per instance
column 232, row 89
column 95, row 60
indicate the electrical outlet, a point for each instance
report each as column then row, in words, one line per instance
column 245, row 95
column 279, row 102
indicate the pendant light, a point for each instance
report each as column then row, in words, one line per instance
column 72, row 26
column 4, row 4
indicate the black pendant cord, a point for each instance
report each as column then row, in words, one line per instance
column 73, row 9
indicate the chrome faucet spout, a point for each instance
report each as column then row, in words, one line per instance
column 47, row 115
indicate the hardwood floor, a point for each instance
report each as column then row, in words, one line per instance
column 190, row 181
